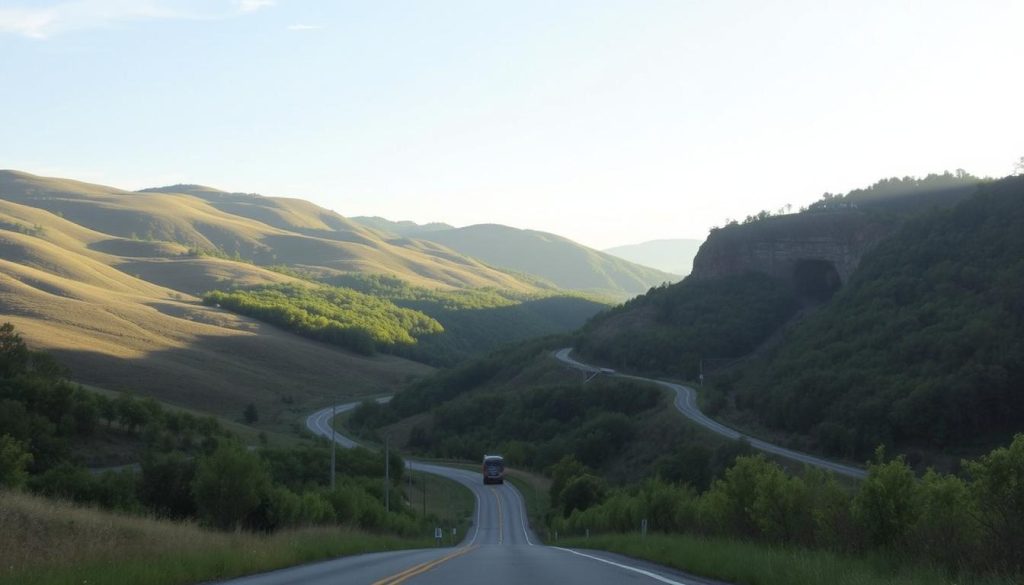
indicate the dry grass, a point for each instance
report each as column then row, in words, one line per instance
column 43, row 542
column 295, row 231
column 37, row 532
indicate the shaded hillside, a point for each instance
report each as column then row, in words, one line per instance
column 563, row 262
column 924, row 346
column 672, row 328
column 674, row 256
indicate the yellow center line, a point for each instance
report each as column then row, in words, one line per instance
column 501, row 530
column 422, row 567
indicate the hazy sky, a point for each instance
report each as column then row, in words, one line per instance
column 610, row 122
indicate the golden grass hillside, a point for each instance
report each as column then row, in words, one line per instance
column 262, row 229
column 121, row 314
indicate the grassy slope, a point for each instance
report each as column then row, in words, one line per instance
column 67, row 296
column 562, row 261
column 263, row 229
column 746, row 563
column 44, row 542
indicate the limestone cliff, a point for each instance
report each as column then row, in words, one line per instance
column 816, row 252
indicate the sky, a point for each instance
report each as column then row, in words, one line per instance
column 610, row 122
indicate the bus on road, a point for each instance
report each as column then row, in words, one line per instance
column 494, row 469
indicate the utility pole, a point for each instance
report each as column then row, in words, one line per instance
column 387, row 474
column 334, row 443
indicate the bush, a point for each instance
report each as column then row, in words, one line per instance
column 229, row 485
column 14, row 462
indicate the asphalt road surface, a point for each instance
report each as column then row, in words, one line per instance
column 499, row 549
column 686, row 403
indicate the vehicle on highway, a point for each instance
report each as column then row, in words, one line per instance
column 494, row 469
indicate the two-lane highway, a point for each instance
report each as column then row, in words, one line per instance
column 686, row 403
column 499, row 549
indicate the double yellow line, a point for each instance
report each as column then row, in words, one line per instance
column 423, row 567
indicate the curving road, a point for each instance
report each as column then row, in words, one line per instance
column 686, row 403
column 500, row 548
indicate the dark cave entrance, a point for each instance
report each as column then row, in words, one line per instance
column 816, row 280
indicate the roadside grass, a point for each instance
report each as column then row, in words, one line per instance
column 46, row 542
column 448, row 501
column 747, row 563
column 535, row 489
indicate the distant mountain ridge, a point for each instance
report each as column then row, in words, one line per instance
column 401, row 228
column 674, row 255
column 556, row 259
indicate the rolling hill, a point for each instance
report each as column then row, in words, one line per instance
column 262, row 230
column 109, row 281
column 559, row 261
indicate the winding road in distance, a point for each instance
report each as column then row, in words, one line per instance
column 686, row 403
column 500, row 548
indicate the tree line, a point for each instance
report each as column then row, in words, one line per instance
column 964, row 523
column 672, row 328
column 356, row 321
column 380, row 313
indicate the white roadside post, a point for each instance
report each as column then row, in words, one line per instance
column 334, row 441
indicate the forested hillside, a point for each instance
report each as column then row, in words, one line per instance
column 369, row 313
column 925, row 346
column 672, row 328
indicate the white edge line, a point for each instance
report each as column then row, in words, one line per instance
column 522, row 515
column 476, row 525
column 654, row 576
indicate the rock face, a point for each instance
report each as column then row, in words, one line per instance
column 816, row 252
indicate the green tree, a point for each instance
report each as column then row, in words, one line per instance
column 14, row 462
column 561, row 474
column 14, row 355
column 947, row 531
column 582, row 492
column 886, row 507
column 229, row 485
column 166, row 484
column 997, row 487
column 250, row 415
